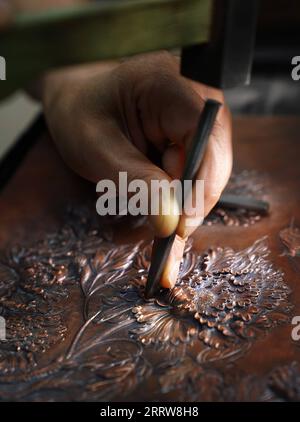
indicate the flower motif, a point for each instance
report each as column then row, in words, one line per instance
column 223, row 298
column 166, row 319
column 290, row 237
column 250, row 184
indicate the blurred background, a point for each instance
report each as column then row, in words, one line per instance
column 272, row 91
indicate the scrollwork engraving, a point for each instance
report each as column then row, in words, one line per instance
column 80, row 286
column 290, row 237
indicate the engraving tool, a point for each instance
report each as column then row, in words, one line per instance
column 162, row 246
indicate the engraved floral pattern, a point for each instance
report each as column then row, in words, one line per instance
column 290, row 237
column 29, row 302
column 222, row 301
column 193, row 382
column 224, row 298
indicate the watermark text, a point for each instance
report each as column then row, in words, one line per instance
column 159, row 197
column 2, row 329
column 296, row 69
column 2, row 69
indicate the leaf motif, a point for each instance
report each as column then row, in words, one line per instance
column 290, row 237
column 8, row 280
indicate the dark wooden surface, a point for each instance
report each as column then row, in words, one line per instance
column 265, row 368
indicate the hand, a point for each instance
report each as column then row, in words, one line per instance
column 104, row 117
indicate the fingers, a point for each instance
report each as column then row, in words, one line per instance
column 118, row 154
column 102, row 151
column 173, row 160
column 168, row 105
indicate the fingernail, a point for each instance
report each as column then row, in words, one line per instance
column 166, row 222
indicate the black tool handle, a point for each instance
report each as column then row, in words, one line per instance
column 162, row 246
column 198, row 147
